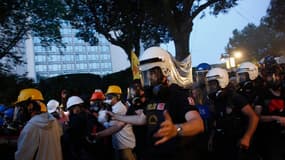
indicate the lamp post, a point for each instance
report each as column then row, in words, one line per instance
column 229, row 60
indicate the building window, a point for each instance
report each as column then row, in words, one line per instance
column 40, row 58
column 54, row 67
column 68, row 58
column 41, row 68
column 82, row 57
column 81, row 66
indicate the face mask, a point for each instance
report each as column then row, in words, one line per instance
column 94, row 107
column 160, row 91
column 215, row 95
column 108, row 101
column 102, row 117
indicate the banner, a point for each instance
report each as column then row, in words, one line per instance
column 135, row 66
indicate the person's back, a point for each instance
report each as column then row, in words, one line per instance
column 40, row 138
column 45, row 131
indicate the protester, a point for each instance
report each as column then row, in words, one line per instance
column 40, row 138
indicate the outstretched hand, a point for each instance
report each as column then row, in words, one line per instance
column 167, row 129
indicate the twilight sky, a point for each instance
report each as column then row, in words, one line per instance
column 210, row 34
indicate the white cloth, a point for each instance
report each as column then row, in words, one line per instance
column 181, row 72
column 124, row 138
column 40, row 139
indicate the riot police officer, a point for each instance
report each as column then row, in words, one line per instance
column 235, row 120
column 169, row 117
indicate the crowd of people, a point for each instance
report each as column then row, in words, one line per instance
column 222, row 115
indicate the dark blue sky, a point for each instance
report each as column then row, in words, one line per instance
column 211, row 34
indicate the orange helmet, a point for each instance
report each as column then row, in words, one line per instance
column 97, row 95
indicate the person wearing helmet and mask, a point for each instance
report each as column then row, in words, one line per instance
column 234, row 119
column 123, row 138
column 171, row 121
column 247, row 74
column 74, row 139
column 137, row 101
column 53, row 108
column 272, row 116
column 40, row 138
column 97, row 102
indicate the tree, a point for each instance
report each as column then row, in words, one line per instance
column 266, row 39
column 10, row 87
column 123, row 23
column 19, row 18
column 255, row 42
column 276, row 15
column 177, row 16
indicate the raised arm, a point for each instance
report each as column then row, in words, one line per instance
column 139, row 119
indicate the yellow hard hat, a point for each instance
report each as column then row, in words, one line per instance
column 114, row 89
column 31, row 94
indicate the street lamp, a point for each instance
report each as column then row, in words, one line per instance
column 229, row 60
column 237, row 54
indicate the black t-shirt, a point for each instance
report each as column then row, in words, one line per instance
column 228, row 113
column 272, row 105
column 175, row 101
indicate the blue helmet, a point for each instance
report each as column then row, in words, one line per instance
column 268, row 60
column 9, row 113
column 2, row 108
column 202, row 67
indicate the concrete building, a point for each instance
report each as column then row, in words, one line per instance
column 76, row 57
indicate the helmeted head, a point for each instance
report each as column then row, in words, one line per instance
column 154, row 65
column 217, row 78
column 247, row 71
column 32, row 94
column 97, row 95
column 31, row 102
column 113, row 94
column 201, row 71
column 74, row 104
column 9, row 113
column 52, row 105
column 96, row 100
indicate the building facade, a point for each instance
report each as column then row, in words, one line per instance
column 77, row 56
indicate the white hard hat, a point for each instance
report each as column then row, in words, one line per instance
column 219, row 74
column 281, row 60
column 52, row 105
column 155, row 57
column 73, row 100
column 250, row 68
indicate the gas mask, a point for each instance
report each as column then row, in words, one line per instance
column 212, row 89
column 242, row 78
column 103, row 116
column 273, row 81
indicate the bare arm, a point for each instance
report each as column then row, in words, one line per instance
column 111, row 130
column 194, row 124
column 252, row 124
column 191, row 127
column 139, row 119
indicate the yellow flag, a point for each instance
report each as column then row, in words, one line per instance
column 135, row 66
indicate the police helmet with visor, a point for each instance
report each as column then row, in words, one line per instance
column 152, row 60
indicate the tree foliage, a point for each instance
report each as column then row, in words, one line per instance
column 18, row 18
column 177, row 16
column 10, row 87
column 123, row 23
column 276, row 15
column 268, row 38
